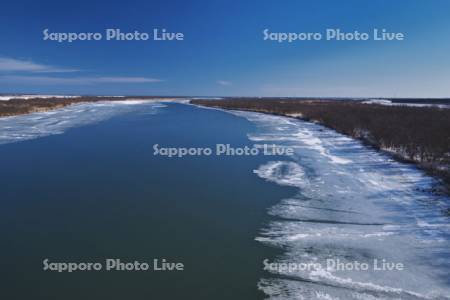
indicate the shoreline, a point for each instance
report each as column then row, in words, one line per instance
column 440, row 172
column 18, row 106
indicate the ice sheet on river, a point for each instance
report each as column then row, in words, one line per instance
column 35, row 125
column 353, row 205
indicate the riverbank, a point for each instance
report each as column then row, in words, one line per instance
column 353, row 205
column 420, row 135
column 20, row 106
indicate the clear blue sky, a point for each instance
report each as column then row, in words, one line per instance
column 224, row 52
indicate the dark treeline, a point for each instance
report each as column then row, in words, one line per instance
column 418, row 134
column 421, row 101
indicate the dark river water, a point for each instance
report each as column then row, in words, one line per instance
column 82, row 184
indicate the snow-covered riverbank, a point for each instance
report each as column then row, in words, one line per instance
column 354, row 205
